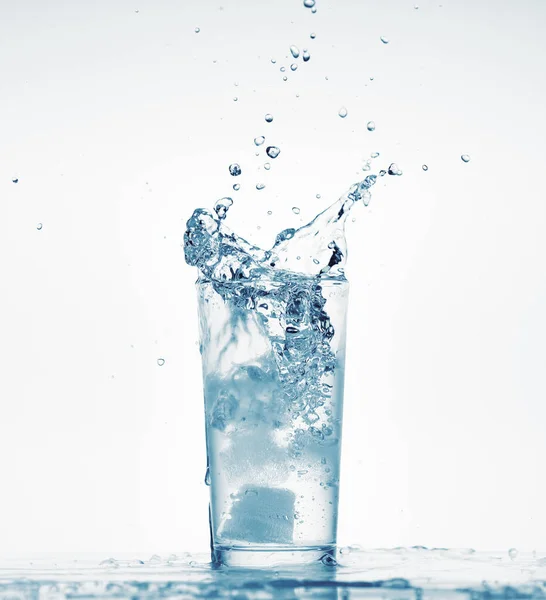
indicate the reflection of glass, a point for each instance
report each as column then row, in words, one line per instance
column 273, row 449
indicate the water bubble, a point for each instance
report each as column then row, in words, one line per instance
column 15, row 180
column 293, row 66
column 259, row 140
column 267, row 166
column 160, row 361
column 513, row 553
column 260, row 186
column 272, row 151
column 313, row 35
column 306, row 56
column 268, row 118
column 235, row 169
column 384, row 39
column 197, row 30
column 425, row 167
column 208, row 480
column 370, row 125
column 465, row 158
column 309, row 3
column 39, row 226
column 295, row 210
column 222, row 206
column 343, row 112
column 394, row 169
column 294, row 50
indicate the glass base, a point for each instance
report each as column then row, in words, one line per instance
column 266, row 556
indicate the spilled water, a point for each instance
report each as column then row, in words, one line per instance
column 414, row 573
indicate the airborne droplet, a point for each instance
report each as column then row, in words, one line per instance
column 309, row 3
column 294, row 50
column 267, row 166
column 235, row 99
column 374, row 154
column 207, row 477
column 222, row 206
column 197, row 30
column 260, row 186
column 259, row 140
column 384, row 39
column 235, row 169
column 513, row 553
column 343, row 112
column 425, row 167
column 236, row 187
column 160, row 361
column 313, row 35
column 15, row 180
column 370, row 126
column 268, row 118
column 465, row 158
column 293, row 66
column 272, row 151
column 394, row 169
column 295, row 210
column 306, row 56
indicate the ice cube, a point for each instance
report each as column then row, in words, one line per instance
column 262, row 515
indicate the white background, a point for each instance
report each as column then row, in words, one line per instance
column 118, row 120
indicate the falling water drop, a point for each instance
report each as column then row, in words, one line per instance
column 343, row 112
column 235, row 169
column 394, row 169
column 160, row 361
column 425, row 167
column 296, row 210
column 272, row 151
column 260, row 186
column 384, row 39
column 370, row 126
column 465, row 158
column 293, row 66
column 294, row 50
column 306, row 56
column 259, row 140
column 268, row 118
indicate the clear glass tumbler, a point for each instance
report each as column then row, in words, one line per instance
column 273, row 376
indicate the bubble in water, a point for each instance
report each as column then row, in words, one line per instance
column 272, row 151
column 425, row 167
column 370, row 126
column 160, row 361
column 394, row 169
column 465, row 158
column 259, row 140
column 293, row 66
column 39, row 226
column 374, row 154
column 295, row 210
column 197, row 30
column 207, row 477
column 384, row 39
column 222, row 206
column 313, row 35
column 343, row 112
column 513, row 553
column 309, row 3
column 15, row 180
column 267, row 166
column 235, row 169
column 260, row 186
column 294, row 50
column 268, row 118
column 306, row 56
column 236, row 187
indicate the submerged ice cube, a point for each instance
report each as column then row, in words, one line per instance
column 261, row 515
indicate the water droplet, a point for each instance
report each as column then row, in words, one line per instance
column 197, row 30
column 416, row 7
column 328, row 560
column 294, row 50
column 222, row 206
column 259, row 140
column 315, row 260
column 235, row 99
column 207, row 477
column 282, row 69
column 15, row 180
column 425, row 167
column 293, row 66
column 160, row 361
column 382, row 173
column 235, row 169
column 285, row 78
column 314, row 9
column 465, row 158
column 384, row 39
column 268, row 118
column 39, row 226
column 394, row 169
column 236, row 83
column 272, row 151
column 513, row 553
column 343, row 112
column 267, row 166
column 313, row 35
column 309, row 3
column 370, row 126
column 270, row 212
column 236, row 186
column 295, row 210
column 345, row 550
column 273, row 61
column 260, row 186
column 306, row 56
column 318, row 196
